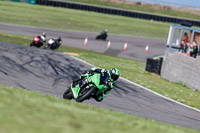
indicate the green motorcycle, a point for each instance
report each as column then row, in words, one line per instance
column 96, row 84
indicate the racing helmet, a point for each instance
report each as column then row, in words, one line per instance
column 44, row 34
column 114, row 73
column 59, row 39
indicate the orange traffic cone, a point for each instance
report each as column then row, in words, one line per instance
column 147, row 48
column 86, row 41
column 109, row 43
column 188, row 53
column 125, row 45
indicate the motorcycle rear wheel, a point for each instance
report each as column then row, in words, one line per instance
column 98, row 37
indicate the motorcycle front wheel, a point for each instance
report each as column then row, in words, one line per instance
column 85, row 94
column 32, row 44
column 68, row 94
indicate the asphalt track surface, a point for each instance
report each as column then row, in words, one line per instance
column 50, row 72
column 135, row 49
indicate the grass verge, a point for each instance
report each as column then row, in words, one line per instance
column 67, row 19
column 132, row 70
column 30, row 112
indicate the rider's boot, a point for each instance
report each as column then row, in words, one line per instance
column 98, row 97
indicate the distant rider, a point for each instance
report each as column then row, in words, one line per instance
column 113, row 75
column 53, row 43
column 105, row 32
column 58, row 42
column 43, row 37
column 39, row 40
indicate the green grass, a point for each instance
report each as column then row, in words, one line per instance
column 17, row 39
column 30, row 112
column 140, row 8
column 67, row 19
column 132, row 70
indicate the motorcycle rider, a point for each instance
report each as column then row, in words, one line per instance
column 58, row 41
column 43, row 37
column 103, row 35
column 105, row 32
column 113, row 75
column 39, row 40
column 53, row 43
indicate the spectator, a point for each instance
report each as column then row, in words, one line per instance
column 182, row 47
column 187, row 47
column 185, row 37
column 191, row 49
column 194, row 49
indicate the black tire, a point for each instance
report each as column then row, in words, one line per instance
column 58, row 45
column 98, row 37
column 86, row 95
column 68, row 94
column 40, row 44
column 54, row 46
column 32, row 44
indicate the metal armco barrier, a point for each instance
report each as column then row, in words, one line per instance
column 115, row 11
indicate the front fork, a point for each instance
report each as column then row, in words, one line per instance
column 77, row 87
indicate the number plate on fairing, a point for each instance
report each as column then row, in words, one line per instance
column 51, row 41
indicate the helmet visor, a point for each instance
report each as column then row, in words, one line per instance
column 115, row 77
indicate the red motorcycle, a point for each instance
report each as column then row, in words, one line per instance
column 37, row 42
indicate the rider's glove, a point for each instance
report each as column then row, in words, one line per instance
column 114, row 83
column 90, row 72
column 109, row 84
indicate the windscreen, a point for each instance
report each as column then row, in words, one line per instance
column 104, row 77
